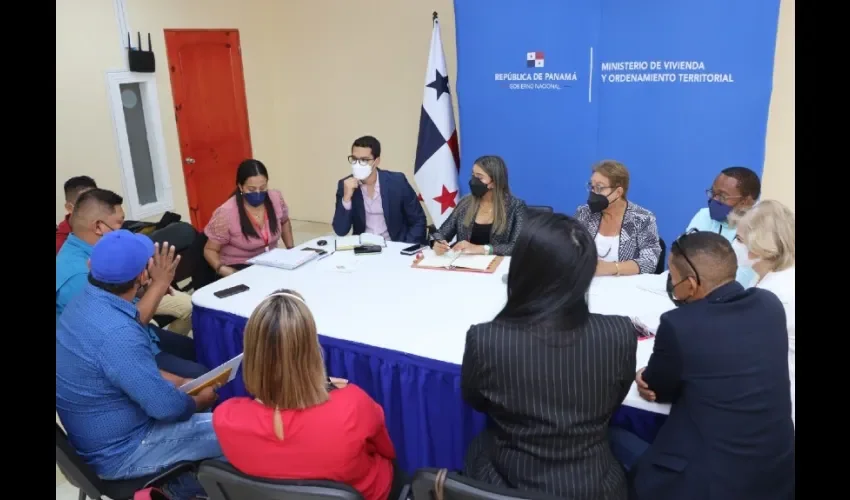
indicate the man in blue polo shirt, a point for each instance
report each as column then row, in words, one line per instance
column 124, row 417
column 96, row 213
column 733, row 192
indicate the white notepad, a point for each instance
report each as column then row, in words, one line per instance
column 455, row 259
column 289, row 259
column 218, row 376
column 349, row 242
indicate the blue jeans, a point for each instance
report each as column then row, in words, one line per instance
column 177, row 354
column 169, row 443
column 626, row 446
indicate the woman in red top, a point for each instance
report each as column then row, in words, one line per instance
column 301, row 425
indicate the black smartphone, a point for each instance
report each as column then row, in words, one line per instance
column 228, row 292
column 412, row 249
column 367, row 249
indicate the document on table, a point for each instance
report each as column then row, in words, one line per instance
column 288, row 259
column 218, row 376
column 457, row 259
column 653, row 283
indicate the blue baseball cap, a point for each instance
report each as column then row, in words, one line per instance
column 120, row 256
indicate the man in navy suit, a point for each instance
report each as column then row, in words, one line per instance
column 377, row 201
column 721, row 359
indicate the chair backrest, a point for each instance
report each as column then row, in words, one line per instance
column 200, row 271
column 74, row 468
column 662, row 259
column 179, row 234
column 457, row 487
column 540, row 208
column 222, row 481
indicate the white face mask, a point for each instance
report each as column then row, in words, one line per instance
column 360, row 172
column 743, row 254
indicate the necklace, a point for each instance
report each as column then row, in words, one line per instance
column 257, row 215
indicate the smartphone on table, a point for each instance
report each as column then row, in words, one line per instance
column 412, row 249
column 229, row 292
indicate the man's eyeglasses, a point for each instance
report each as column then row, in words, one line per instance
column 681, row 251
column 721, row 197
column 360, row 161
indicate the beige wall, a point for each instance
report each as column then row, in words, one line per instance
column 779, row 148
column 87, row 47
column 318, row 74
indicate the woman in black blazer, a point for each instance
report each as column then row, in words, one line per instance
column 548, row 373
column 488, row 219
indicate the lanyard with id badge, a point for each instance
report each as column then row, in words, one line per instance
column 263, row 231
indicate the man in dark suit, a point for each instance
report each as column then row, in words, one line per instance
column 721, row 359
column 377, row 201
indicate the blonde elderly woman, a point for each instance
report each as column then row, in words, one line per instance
column 765, row 243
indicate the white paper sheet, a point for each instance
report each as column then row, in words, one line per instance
column 221, row 375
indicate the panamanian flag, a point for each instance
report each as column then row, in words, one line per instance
column 437, row 157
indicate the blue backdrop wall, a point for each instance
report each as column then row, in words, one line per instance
column 675, row 89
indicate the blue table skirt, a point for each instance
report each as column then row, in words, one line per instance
column 428, row 421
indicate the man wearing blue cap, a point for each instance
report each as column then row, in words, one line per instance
column 124, row 417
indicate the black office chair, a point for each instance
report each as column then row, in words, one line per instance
column 438, row 484
column 222, row 481
column 200, row 270
column 662, row 259
column 540, row 208
column 80, row 475
column 183, row 236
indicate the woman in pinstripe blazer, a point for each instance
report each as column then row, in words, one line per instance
column 625, row 233
column 548, row 373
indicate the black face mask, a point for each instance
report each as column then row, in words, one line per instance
column 597, row 202
column 671, row 287
column 477, row 188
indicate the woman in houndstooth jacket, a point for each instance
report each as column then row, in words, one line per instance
column 625, row 233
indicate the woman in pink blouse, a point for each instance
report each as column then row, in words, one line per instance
column 249, row 223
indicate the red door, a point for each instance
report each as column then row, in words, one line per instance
column 211, row 112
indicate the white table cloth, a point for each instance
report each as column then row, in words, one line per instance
column 380, row 300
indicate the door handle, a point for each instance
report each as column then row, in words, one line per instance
column 189, row 160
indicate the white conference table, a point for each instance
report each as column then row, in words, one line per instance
column 380, row 300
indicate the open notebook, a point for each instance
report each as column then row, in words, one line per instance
column 452, row 260
column 349, row 242
column 287, row 259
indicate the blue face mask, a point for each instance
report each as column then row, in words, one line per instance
column 255, row 199
column 718, row 211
